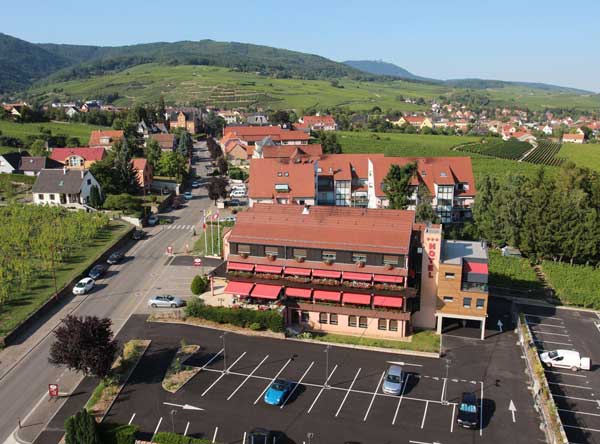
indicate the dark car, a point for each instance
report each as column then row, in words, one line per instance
column 138, row 234
column 468, row 411
column 115, row 257
column 264, row 436
column 97, row 271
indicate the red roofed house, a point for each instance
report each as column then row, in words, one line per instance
column 418, row 122
column 77, row 158
column 105, row 139
column 143, row 169
column 354, row 271
column 573, row 138
column 166, row 141
column 252, row 134
column 288, row 151
column 317, row 123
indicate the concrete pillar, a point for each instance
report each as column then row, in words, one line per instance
column 440, row 321
column 483, row 329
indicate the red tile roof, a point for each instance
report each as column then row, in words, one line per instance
column 166, row 141
column 88, row 154
column 573, row 136
column 318, row 120
column 266, row 173
column 292, row 151
column 337, row 228
column 346, row 166
column 257, row 133
column 139, row 163
column 96, row 135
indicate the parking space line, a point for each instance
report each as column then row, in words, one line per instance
column 578, row 412
column 247, row 377
column 322, row 388
column 244, row 438
column 565, row 374
column 530, row 315
column 374, row 395
column 347, row 393
column 424, row 414
column 575, row 398
column 452, row 419
column 223, row 373
column 548, row 333
column 534, row 324
column 187, row 426
column 297, row 385
column 215, row 435
column 481, row 411
column 553, row 342
column 271, row 381
column 211, row 359
column 156, row 429
column 570, row 385
column 131, row 420
column 443, row 388
column 400, row 400
column 581, row 428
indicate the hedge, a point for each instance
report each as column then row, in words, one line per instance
column 241, row 317
column 174, row 438
column 111, row 433
column 574, row 284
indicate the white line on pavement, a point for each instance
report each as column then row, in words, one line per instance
column 481, row 411
column 565, row 374
column 578, row 412
column 553, row 342
column 131, row 420
column 530, row 315
column 156, row 429
column 247, row 377
column 222, row 375
column 322, row 388
column 452, row 419
column 187, row 426
column 547, row 333
column 271, row 381
column 347, row 393
column 535, row 324
column 297, row 385
column 400, row 400
column 215, row 435
column 575, row 398
column 443, row 388
column 424, row 414
column 581, row 428
column 373, row 398
column 570, row 385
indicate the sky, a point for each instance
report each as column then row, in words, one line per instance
column 526, row 40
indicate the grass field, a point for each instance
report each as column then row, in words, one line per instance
column 426, row 341
column 222, row 87
column 575, row 285
column 586, row 155
column 22, row 130
column 20, row 307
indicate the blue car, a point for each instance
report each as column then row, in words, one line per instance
column 278, row 392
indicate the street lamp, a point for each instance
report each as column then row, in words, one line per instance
column 173, row 413
column 326, row 385
column 224, row 353
column 444, row 400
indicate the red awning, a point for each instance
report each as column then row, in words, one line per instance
column 349, row 276
column 476, row 267
column 238, row 266
column 298, row 292
column 266, row 291
column 357, row 298
column 267, row 269
column 297, row 271
column 327, row 295
column 239, row 288
column 389, row 279
column 387, row 301
column 332, row 274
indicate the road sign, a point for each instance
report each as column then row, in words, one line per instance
column 53, row 390
column 197, row 262
column 169, row 250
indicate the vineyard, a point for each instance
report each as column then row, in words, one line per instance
column 545, row 154
column 510, row 149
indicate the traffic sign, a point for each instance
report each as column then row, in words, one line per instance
column 53, row 390
column 197, row 262
column 169, row 250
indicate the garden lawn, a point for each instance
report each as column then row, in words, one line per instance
column 20, row 306
column 574, row 285
column 22, row 130
column 425, row 341
column 586, row 155
column 213, row 242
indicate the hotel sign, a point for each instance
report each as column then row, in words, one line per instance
column 431, row 244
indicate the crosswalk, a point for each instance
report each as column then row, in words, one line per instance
column 178, row 227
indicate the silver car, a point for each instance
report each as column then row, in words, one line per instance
column 165, row 300
column 393, row 380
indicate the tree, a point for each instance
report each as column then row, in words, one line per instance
column 217, row 188
column 38, row 148
column 123, row 202
column 73, row 142
column 397, row 185
column 214, row 124
column 199, row 284
column 329, row 142
column 160, row 112
column 84, row 345
column 153, row 153
column 172, row 164
column 125, row 175
column 424, row 211
column 280, row 117
column 222, row 165
column 185, row 145
column 95, row 197
column 81, row 428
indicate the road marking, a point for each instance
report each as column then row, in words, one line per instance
column 247, row 377
column 578, row 412
column 184, row 406
column 224, row 372
column 271, row 380
column 581, row 428
column 424, row 414
column 187, row 426
column 573, row 397
column 401, row 363
column 542, row 342
column 570, row 385
column 131, row 420
column 374, row 395
column 244, row 438
column 452, row 419
column 534, row 324
column 565, row 374
column 542, row 317
column 400, row 400
column 347, row 393
column 156, row 429
column 481, row 411
column 215, row 435
column 547, row 333
column 297, row 385
column 322, row 388
column 443, row 388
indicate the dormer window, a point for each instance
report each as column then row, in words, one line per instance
column 279, row 174
column 282, row 187
column 443, row 174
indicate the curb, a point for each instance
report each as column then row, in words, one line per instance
column 397, row 351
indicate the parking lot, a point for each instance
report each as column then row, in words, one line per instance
column 576, row 394
column 338, row 395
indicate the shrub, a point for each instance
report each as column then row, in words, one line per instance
column 111, row 433
column 574, row 284
column 255, row 326
column 81, row 428
column 174, row 438
column 124, row 202
column 199, row 284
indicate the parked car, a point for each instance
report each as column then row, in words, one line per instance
column 115, row 257
column 195, row 184
column 152, row 220
column 97, row 271
column 138, row 234
column 278, row 391
column 228, row 219
column 393, row 380
column 565, row 359
column 187, row 195
column 264, row 436
column 165, row 301
column 84, row 286
column 468, row 411
column 232, row 203
column 238, row 193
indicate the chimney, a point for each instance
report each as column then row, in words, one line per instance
column 306, row 209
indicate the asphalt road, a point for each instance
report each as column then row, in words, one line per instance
column 119, row 294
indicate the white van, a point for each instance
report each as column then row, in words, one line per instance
column 238, row 194
column 238, row 186
column 565, row 359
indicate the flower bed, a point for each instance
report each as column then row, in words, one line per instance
column 242, row 274
column 297, row 279
column 177, row 374
column 356, row 284
column 325, row 281
column 268, row 276
column 389, row 287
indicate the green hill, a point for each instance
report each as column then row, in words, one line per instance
column 382, row 68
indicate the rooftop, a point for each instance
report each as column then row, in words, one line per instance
column 453, row 251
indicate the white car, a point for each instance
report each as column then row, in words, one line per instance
column 238, row 193
column 565, row 359
column 84, row 286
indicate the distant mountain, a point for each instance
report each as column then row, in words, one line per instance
column 382, row 68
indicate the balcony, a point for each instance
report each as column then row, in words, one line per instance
column 474, row 287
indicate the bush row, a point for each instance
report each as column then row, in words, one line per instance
column 174, row 438
column 241, row 317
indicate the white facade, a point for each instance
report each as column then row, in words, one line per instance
column 77, row 200
column 5, row 166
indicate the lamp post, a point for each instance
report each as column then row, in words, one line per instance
column 326, row 385
column 173, row 413
column 224, row 353
column 448, row 363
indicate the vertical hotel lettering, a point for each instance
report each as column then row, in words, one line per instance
column 431, row 247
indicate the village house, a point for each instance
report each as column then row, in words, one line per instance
column 230, row 117
column 251, row 134
column 189, row 119
column 573, row 138
column 418, row 122
column 257, row 119
column 105, row 138
column 10, row 162
column 14, row 109
column 32, row 165
column 64, row 187
column 144, row 173
column 77, row 158
column 167, row 141
column 317, row 123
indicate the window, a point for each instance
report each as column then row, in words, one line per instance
column 300, row 252
column 359, row 257
column 304, row 317
column 322, row 318
column 382, row 324
column 449, row 276
column 243, row 249
column 52, row 197
column 448, row 299
column 328, row 255
column 480, row 304
column 393, row 325
column 362, row 322
column 467, row 302
column 333, row 319
column 271, row 251
column 40, row 196
column 89, row 181
column 390, row 260
column 351, row 321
